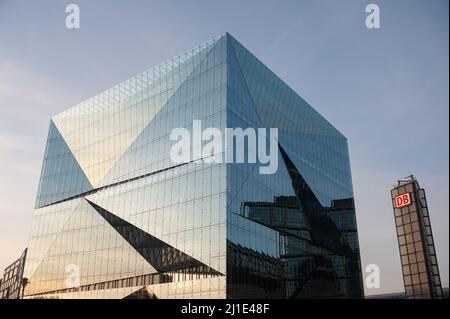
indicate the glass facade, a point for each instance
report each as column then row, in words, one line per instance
column 302, row 216
column 116, row 218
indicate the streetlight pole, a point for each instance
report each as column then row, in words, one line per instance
column 24, row 283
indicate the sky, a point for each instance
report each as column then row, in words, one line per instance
column 386, row 89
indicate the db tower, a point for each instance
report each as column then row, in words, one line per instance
column 415, row 239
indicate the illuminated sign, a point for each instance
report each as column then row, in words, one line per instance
column 402, row 200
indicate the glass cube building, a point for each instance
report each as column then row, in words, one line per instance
column 116, row 218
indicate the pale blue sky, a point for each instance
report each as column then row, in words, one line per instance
column 385, row 89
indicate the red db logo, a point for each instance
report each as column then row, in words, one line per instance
column 402, row 200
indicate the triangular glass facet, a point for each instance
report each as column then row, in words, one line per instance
column 61, row 175
column 150, row 151
column 99, row 130
column 162, row 256
column 275, row 102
